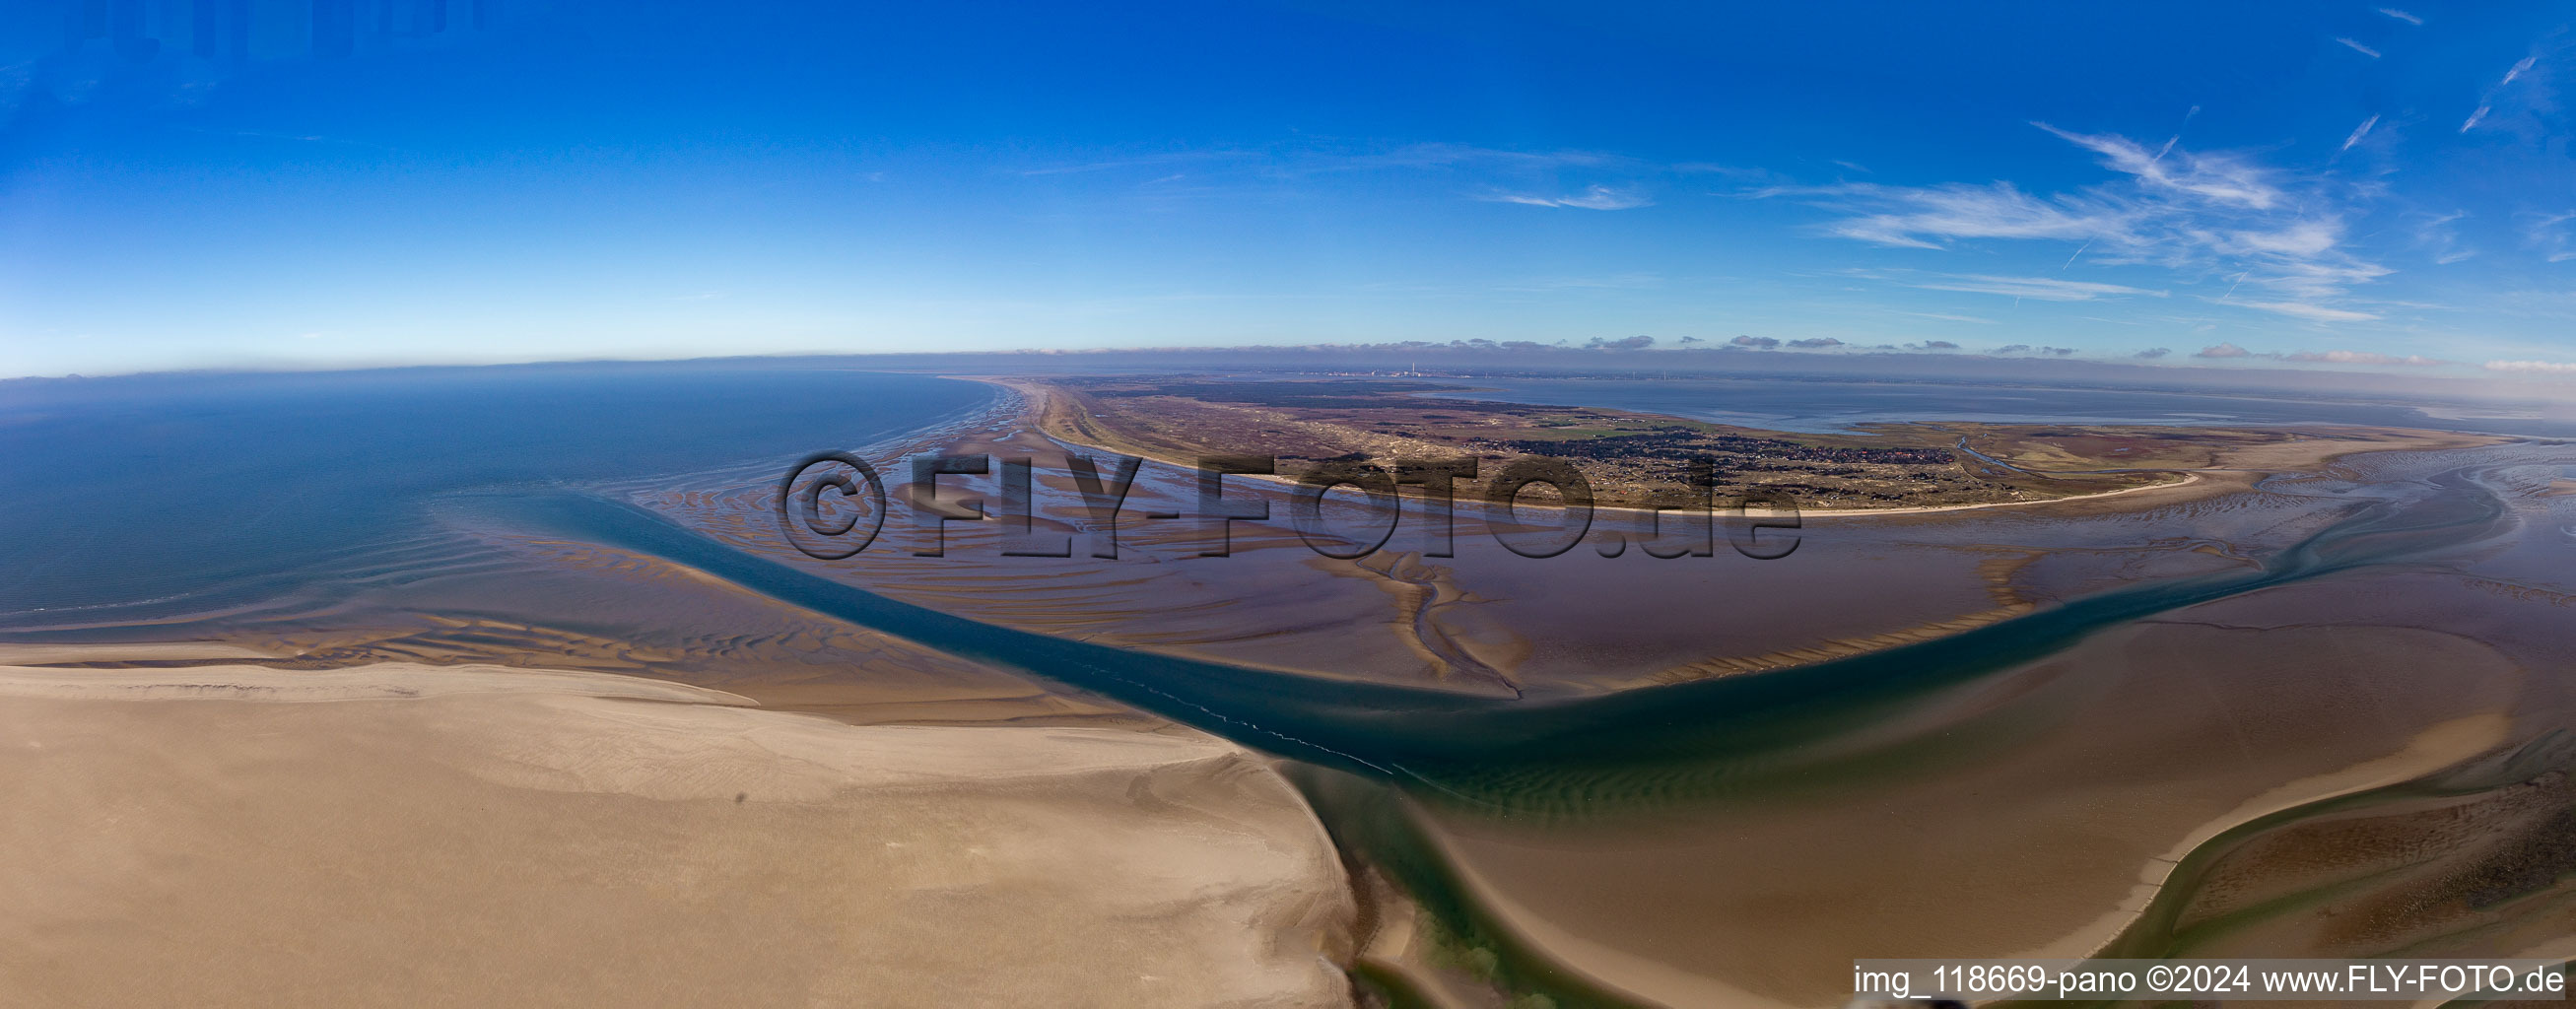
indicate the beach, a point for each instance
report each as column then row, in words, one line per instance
column 397, row 834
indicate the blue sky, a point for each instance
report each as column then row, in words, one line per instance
column 2270, row 185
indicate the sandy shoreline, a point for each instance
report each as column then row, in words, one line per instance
column 1039, row 401
column 510, row 836
column 2047, row 847
column 2441, row 745
column 379, row 681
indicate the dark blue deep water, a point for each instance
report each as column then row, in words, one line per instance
column 132, row 499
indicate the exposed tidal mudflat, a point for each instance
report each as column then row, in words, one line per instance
column 1698, row 780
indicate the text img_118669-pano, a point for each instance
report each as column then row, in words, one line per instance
column 832, row 505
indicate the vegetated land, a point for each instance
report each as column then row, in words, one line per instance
column 1630, row 459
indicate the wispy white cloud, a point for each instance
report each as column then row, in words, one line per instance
column 1591, row 198
column 2534, row 367
column 1943, row 316
column 2037, row 288
column 1295, row 161
column 2497, row 95
column 2219, row 178
column 2229, row 351
column 2401, row 15
column 1750, row 174
column 2358, row 132
column 2548, row 234
column 2024, row 348
column 2279, row 235
column 2308, row 311
column 2439, row 236
column 2358, row 47
column 1924, row 217
column 1437, row 155
column 2361, row 357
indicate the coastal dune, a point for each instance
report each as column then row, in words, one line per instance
column 397, row 834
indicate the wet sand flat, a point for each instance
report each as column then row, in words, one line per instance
column 400, row 835
column 2062, row 798
column 1498, row 623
